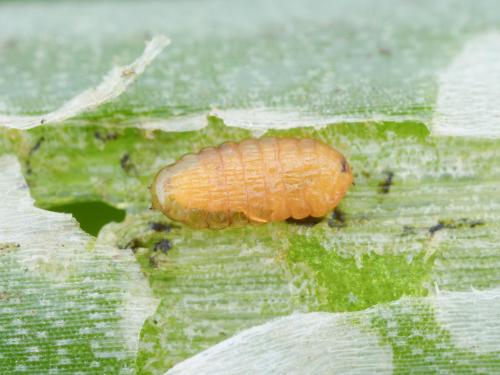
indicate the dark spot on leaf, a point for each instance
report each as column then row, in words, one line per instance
column 476, row 223
column 128, row 72
column 337, row 219
column 134, row 244
column 309, row 221
column 29, row 170
column 106, row 136
column 455, row 224
column 126, row 163
column 153, row 262
column 436, row 228
column 345, row 167
column 160, row 227
column 366, row 174
column 36, row 146
column 385, row 185
column 164, row 246
column 7, row 247
column 385, row 51
column 125, row 160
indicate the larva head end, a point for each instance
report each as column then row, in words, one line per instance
column 160, row 190
column 155, row 202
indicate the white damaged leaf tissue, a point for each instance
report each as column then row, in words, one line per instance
column 347, row 343
column 469, row 89
column 113, row 85
column 66, row 304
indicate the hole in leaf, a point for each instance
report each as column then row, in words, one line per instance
column 92, row 216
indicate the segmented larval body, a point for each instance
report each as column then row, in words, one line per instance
column 254, row 181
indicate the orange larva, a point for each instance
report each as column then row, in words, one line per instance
column 256, row 181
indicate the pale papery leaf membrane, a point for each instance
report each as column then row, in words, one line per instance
column 455, row 114
column 316, row 343
column 467, row 103
column 353, row 343
column 67, row 302
column 113, row 85
column 317, row 58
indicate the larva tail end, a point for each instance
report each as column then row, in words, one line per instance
column 155, row 203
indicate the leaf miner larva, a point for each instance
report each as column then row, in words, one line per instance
column 256, row 181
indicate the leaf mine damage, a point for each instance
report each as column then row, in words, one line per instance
column 113, row 85
column 337, row 219
column 163, row 245
column 455, row 224
column 385, row 185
